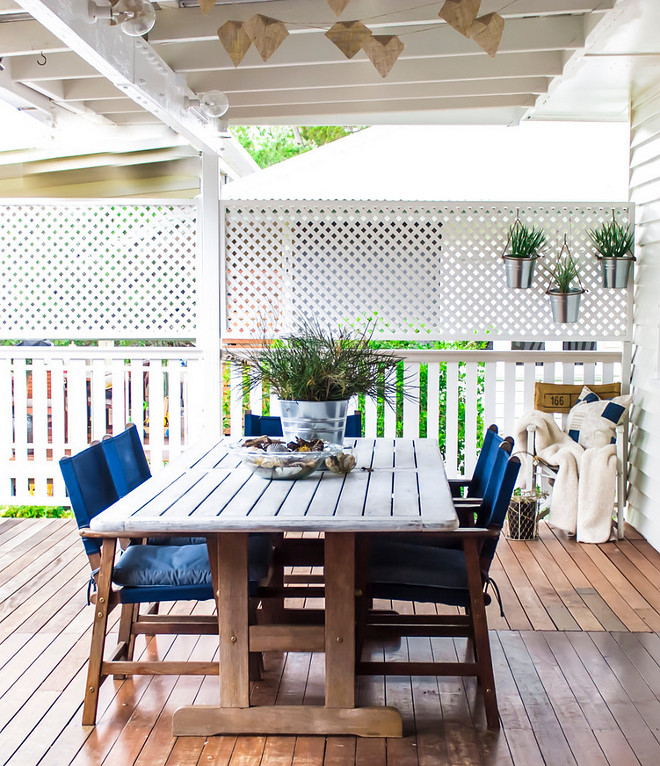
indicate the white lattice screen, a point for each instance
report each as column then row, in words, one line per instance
column 98, row 270
column 428, row 270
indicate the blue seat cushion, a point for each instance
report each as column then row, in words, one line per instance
column 184, row 566
column 414, row 572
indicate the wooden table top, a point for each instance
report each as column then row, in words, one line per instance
column 397, row 485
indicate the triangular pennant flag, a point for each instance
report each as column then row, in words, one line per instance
column 206, row 5
column 460, row 14
column 487, row 32
column 348, row 36
column 383, row 51
column 235, row 40
column 267, row 34
column 338, row 5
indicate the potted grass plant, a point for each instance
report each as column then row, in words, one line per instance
column 521, row 253
column 614, row 244
column 315, row 371
column 565, row 287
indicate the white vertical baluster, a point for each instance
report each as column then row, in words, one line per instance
column 509, row 397
column 118, row 397
column 193, row 401
column 389, row 421
column 411, row 407
column 433, row 401
column 39, row 428
column 568, row 372
column 548, row 372
column 156, row 413
column 529, row 378
column 136, row 412
column 471, row 396
column 77, row 405
column 174, row 408
column 6, row 440
column 370, row 417
column 451, row 421
column 608, row 372
column 57, row 425
column 256, row 399
column 490, row 393
column 236, row 405
column 21, row 421
column 589, row 373
column 98, row 404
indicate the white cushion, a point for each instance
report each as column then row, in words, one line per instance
column 592, row 423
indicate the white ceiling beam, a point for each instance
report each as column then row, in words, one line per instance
column 344, row 113
column 363, row 73
column 20, row 38
column 174, row 24
column 129, row 63
column 520, row 36
column 518, row 85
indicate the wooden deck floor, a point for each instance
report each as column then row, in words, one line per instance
column 577, row 664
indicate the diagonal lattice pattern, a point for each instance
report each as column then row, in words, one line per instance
column 75, row 270
column 427, row 270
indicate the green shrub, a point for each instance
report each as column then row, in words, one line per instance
column 35, row 511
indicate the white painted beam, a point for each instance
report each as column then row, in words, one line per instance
column 129, row 63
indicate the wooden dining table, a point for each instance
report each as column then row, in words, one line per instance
column 398, row 485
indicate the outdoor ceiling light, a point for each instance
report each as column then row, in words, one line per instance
column 213, row 103
column 135, row 17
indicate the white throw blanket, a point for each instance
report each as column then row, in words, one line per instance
column 583, row 493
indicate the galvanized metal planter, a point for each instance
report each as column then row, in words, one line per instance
column 615, row 272
column 519, row 271
column 314, row 420
column 565, row 306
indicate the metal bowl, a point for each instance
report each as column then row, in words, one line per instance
column 283, row 465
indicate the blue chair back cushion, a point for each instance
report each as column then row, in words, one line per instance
column 126, row 460
column 271, row 425
column 485, row 463
column 90, row 486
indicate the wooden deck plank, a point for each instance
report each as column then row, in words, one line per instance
column 566, row 697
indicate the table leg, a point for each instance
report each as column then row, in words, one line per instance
column 339, row 619
column 480, row 628
column 98, row 632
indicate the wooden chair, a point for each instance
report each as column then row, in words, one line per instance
column 424, row 570
column 142, row 574
column 559, row 398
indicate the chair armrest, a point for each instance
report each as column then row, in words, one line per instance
column 455, row 486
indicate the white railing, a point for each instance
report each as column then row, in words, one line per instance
column 463, row 392
column 54, row 401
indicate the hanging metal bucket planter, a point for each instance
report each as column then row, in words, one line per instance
column 519, row 271
column 565, row 306
column 615, row 272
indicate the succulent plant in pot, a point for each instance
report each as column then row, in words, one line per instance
column 614, row 244
column 521, row 252
column 315, row 371
column 565, row 287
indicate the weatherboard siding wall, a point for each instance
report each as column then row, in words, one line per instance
column 643, row 508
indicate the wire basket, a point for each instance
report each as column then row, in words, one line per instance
column 522, row 518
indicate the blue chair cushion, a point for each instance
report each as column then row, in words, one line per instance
column 412, row 572
column 178, row 566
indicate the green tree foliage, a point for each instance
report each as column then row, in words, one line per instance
column 269, row 145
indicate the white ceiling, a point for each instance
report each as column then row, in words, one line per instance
column 558, row 59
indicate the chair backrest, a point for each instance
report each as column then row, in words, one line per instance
column 496, row 475
column 126, row 460
column 90, row 486
column 561, row 397
column 485, row 463
column 499, row 509
column 271, row 425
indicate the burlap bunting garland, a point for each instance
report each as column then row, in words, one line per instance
column 486, row 31
column 338, row 5
column 266, row 33
column 235, row 40
column 348, row 36
column 460, row 14
column 383, row 51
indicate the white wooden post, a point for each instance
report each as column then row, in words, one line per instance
column 209, row 321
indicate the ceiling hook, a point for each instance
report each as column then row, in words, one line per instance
column 45, row 60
